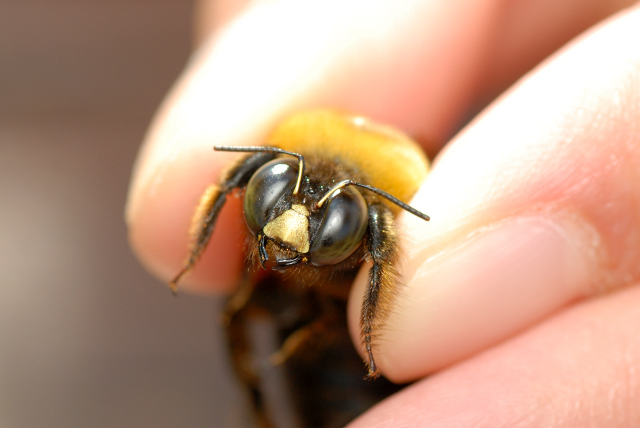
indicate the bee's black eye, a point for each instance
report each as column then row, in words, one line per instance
column 342, row 228
column 265, row 188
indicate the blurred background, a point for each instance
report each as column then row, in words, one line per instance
column 87, row 337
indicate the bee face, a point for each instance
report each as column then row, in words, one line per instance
column 315, row 234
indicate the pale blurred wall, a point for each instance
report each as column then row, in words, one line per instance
column 87, row 338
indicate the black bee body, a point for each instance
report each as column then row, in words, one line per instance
column 323, row 384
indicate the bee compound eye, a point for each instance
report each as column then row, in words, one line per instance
column 342, row 228
column 266, row 188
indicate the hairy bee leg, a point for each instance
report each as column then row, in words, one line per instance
column 295, row 342
column 211, row 204
column 299, row 338
column 234, row 318
column 382, row 239
column 239, row 298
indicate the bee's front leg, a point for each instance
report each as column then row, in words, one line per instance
column 211, row 203
column 382, row 241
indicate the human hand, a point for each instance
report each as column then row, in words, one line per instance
column 521, row 293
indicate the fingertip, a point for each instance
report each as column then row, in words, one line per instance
column 585, row 357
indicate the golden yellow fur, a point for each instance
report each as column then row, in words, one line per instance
column 389, row 159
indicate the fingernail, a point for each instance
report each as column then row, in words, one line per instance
column 485, row 290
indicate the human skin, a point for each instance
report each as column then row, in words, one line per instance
column 520, row 297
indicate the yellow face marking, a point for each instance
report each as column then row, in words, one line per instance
column 291, row 228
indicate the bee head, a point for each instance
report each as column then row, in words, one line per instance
column 316, row 229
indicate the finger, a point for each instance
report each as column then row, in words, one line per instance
column 282, row 56
column 525, row 32
column 534, row 206
column 579, row 369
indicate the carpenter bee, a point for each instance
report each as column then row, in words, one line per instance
column 320, row 197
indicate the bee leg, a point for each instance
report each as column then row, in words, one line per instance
column 235, row 318
column 381, row 240
column 303, row 336
column 211, row 203
column 239, row 298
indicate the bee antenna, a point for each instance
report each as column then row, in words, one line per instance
column 378, row 192
column 296, row 189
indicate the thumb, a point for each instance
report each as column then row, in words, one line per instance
column 535, row 205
